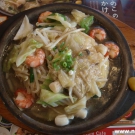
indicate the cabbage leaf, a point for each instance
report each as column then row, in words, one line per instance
column 65, row 80
column 49, row 98
column 62, row 19
column 27, row 47
column 74, row 108
column 78, row 42
column 95, row 90
column 85, row 21
column 78, row 15
column 24, row 29
column 46, row 83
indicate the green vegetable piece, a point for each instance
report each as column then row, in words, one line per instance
column 49, row 57
column 63, row 60
column 87, row 22
column 68, row 58
column 64, row 64
column 55, row 14
column 56, row 66
column 49, row 98
column 31, row 75
column 66, row 49
column 69, row 64
column 54, row 48
column 42, row 103
column 62, row 44
column 64, row 17
column 57, row 58
column 55, row 19
column 46, row 83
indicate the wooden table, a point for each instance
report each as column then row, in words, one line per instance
column 129, row 34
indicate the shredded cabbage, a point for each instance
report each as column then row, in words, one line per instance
column 24, row 29
column 79, row 41
column 65, row 80
column 78, row 15
column 73, row 109
column 63, row 20
column 51, row 98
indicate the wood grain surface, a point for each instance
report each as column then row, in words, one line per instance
column 129, row 34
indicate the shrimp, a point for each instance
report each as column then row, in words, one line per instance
column 98, row 33
column 113, row 49
column 23, row 99
column 43, row 16
column 37, row 59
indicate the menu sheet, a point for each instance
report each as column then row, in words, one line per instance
column 111, row 7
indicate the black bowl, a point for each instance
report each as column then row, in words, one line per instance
column 115, row 101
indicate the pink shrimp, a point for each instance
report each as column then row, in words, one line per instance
column 98, row 33
column 37, row 59
column 113, row 49
column 43, row 16
column 23, row 99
